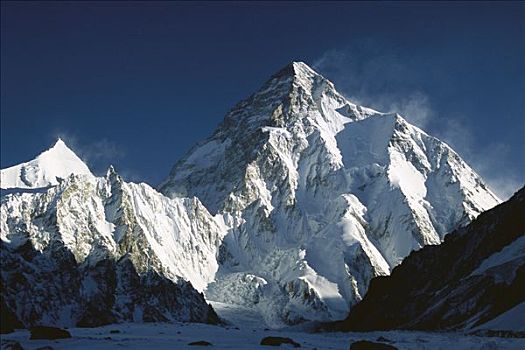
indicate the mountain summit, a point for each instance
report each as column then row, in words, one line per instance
column 320, row 195
column 297, row 200
column 56, row 163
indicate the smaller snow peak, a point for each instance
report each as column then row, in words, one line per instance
column 58, row 162
column 60, row 153
column 59, row 149
column 399, row 120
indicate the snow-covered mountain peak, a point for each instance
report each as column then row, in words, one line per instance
column 296, row 70
column 58, row 162
column 320, row 195
column 60, row 144
column 299, row 79
column 290, row 97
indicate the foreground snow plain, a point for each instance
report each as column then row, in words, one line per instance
column 179, row 335
column 244, row 331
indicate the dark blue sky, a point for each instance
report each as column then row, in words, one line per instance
column 137, row 84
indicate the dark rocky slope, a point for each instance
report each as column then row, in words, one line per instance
column 50, row 288
column 452, row 285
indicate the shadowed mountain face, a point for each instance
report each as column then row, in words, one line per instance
column 50, row 288
column 477, row 274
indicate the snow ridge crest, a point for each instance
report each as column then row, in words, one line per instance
column 47, row 169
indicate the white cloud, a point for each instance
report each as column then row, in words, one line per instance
column 98, row 154
column 382, row 80
column 377, row 81
column 488, row 160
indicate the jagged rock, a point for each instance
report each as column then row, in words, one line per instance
column 11, row 345
column 384, row 340
column 8, row 320
column 278, row 341
column 41, row 332
column 200, row 343
column 48, row 169
column 369, row 345
column 121, row 293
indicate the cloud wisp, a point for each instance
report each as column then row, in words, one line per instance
column 384, row 81
column 98, row 154
column 489, row 160
column 378, row 80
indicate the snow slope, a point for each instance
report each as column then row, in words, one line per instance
column 511, row 320
column 319, row 196
column 56, row 163
column 179, row 335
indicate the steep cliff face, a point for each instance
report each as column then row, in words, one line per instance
column 90, row 251
column 320, row 195
column 477, row 274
